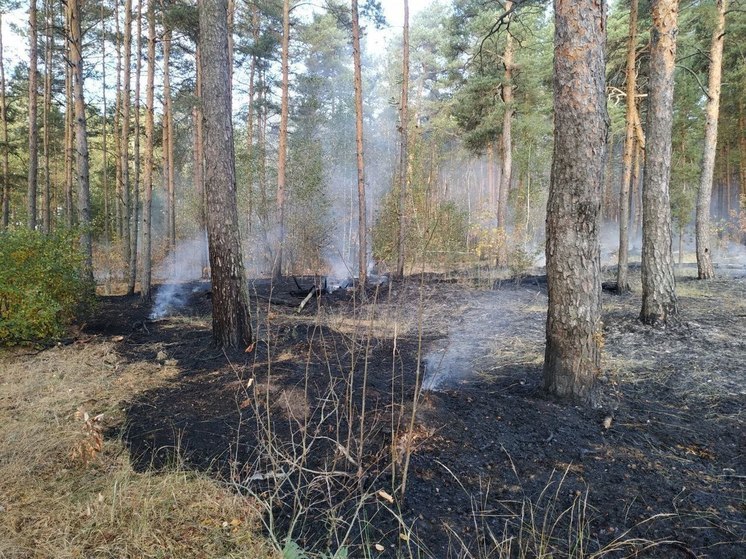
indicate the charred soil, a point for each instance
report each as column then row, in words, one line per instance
column 314, row 420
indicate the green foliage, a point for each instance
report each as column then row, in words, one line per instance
column 42, row 285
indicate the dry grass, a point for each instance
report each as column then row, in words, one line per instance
column 66, row 492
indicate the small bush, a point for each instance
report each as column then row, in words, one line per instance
column 42, row 285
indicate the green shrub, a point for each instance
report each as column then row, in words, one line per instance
column 42, row 285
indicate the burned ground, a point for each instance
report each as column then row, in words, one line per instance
column 314, row 420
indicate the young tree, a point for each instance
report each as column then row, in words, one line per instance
column 231, row 321
column 659, row 303
column 629, row 149
column 704, row 255
column 33, row 130
column 362, row 209
column 573, row 350
column 403, row 130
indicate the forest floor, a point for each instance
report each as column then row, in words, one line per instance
column 313, row 426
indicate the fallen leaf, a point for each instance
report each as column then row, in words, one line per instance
column 249, row 349
column 404, row 537
column 378, row 547
column 607, row 422
column 248, row 384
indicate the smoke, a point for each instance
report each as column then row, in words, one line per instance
column 182, row 266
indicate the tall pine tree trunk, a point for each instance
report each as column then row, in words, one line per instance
column 231, row 321
column 81, row 136
column 168, row 152
column 712, row 112
column 147, row 229
column 104, row 152
column 283, row 142
column 250, row 118
column 659, row 303
column 136, row 149
column 574, row 337
column 4, row 138
column 46, row 201
column 69, row 127
column 124, row 142
column 33, row 130
column 362, row 208
column 507, row 148
column 629, row 148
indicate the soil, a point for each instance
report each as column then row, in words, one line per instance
column 313, row 420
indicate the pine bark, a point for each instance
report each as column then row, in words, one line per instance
column 81, row 136
column 104, row 149
column 507, row 148
column 136, row 152
column 69, row 128
column 659, row 304
column 124, row 142
column 629, row 148
column 742, row 156
column 4, row 138
column 404, row 147
column 362, row 208
column 147, row 229
column 251, row 112
column 231, row 321
column 46, row 201
column 168, row 144
column 283, row 142
column 705, row 269
column 33, row 128
column 574, row 336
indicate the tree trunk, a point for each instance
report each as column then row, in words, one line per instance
column 362, row 209
column 250, row 119
column 168, row 151
column 3, row 117
column 636, row 194
column 629, row 148
column 81, row 136
column 712, row 112
column 742, row 155
column 124, row 142
column 404, row 131
column 33, row 131
column 507, row 148
column 659, row 303
column 46, row 201
column 117, row 128
column 199, row 160
column 147, row 229
column 283, row 147
column 104, row 149
column 69, row 128
column 136, row 149
column 231, row 321
column 574, row 336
